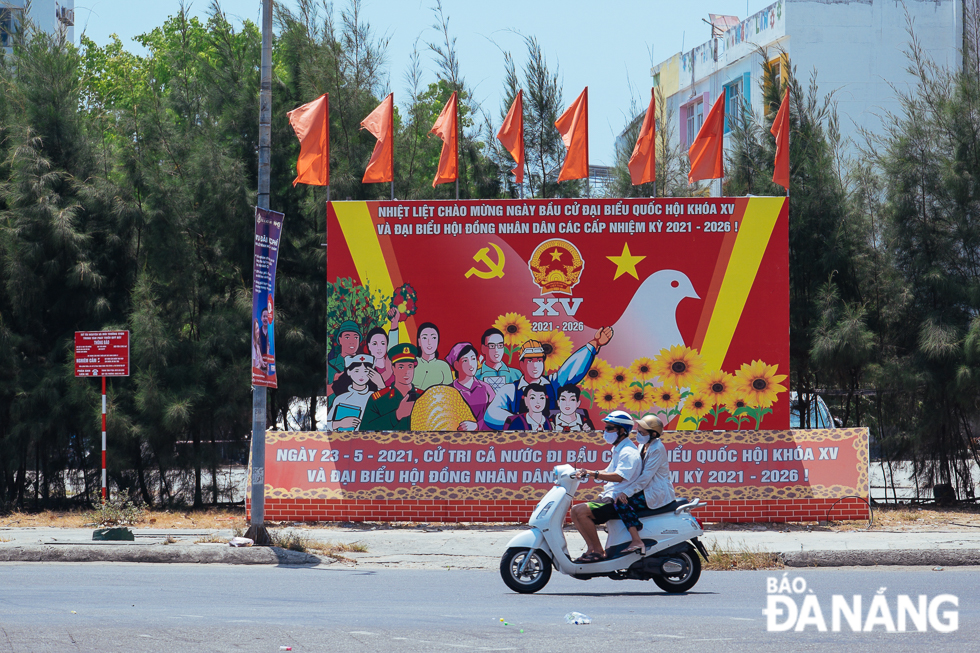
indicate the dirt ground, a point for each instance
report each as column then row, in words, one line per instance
column 963, row 517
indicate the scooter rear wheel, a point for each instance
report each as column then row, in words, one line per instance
column 536, row 574
column 685, row 579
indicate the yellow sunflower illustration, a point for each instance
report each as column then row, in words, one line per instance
column 607, row 398
column 598, row 375
column 716, row 387
column 637, row 399
column 666, row 397
column 515, row 327
column 620, row 377
column 678, row 366
column 642, row 369
column 734, row 403
column 759, row 384
column 557, row 348
column 698, row 406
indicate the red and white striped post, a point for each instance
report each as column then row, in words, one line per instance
column 103, row 440
column 102, row 353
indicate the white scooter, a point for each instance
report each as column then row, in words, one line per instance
column 670, row 535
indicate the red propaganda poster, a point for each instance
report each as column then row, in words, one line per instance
column 544, row 315
column 102, row 353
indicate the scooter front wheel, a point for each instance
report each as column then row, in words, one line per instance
column 534, row 576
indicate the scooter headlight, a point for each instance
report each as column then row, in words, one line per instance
column 544, row 511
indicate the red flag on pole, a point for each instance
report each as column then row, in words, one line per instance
column 380, row 123
column 445, row 128
column 780, row 129
column 511, row 135
column 707, row 150
column 643, row 163
column 311, row 122
column 573, row 125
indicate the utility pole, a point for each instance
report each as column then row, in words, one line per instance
column 257, row 530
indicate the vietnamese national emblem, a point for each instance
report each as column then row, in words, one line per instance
column 556, row 266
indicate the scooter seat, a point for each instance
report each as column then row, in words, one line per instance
column 670, row 507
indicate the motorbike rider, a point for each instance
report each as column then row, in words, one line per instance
column 623, row 468
column 652, row 487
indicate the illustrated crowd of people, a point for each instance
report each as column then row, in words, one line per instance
column 376, row 380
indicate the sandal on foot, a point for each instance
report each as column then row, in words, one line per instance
column 636, row 548
column 589, row 557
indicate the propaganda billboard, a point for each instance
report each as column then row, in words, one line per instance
column 544, row 315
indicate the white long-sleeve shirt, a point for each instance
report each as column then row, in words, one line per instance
column 654, row 478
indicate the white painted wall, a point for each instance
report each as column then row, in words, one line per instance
column 858, row 49
column 856, row 46
column 44, row 14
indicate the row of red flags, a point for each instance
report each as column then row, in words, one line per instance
column 312, row 127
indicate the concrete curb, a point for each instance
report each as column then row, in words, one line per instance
column 880, row 557
column 171, row 553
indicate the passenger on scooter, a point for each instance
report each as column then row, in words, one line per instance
column 623, row 468
column 651, row 488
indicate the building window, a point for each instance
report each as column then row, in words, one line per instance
column 780, row 66
column 64, row 15
column 734, row 105
column 695, row 118
column 10, row 21
column 656, row 79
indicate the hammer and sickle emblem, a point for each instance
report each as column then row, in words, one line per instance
column 494, row 268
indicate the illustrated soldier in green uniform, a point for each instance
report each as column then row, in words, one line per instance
column 390, row 409
column 347, row 340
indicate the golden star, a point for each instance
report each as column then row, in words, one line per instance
column 626, row 263
column 556, row 255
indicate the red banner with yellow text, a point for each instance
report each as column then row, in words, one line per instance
column 489, row 466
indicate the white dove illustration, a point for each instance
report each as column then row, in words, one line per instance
column 649, row 323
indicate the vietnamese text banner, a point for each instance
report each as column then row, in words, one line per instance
column 712, row 465
column 268, row 231
column 678, row 307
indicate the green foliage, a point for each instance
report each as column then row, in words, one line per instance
column 347, row 300
column 114, row 512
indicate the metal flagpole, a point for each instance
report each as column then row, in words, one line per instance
column 257, row 530
column 326, row 287
column 104, row 491
column 458, row 132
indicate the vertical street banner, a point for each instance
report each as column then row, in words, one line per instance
column 268, row 230
column 545, row 315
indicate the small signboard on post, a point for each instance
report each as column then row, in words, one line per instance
column 102, row 353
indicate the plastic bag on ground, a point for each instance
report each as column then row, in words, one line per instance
column 577, row 618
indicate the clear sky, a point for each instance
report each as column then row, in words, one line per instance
column 602, row 44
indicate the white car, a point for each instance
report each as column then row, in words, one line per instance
column 820, row 417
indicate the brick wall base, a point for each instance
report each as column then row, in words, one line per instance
column 318, row 510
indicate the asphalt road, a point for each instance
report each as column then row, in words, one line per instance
column 142, row 608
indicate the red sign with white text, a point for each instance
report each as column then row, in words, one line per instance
column 102, row 353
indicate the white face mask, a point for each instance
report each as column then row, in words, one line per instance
column 641, row 438
column 610, row 436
